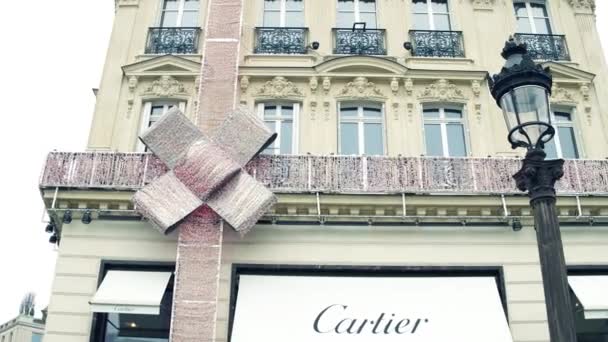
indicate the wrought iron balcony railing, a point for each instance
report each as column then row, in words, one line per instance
column 547, row 47
column 437, row 43
column 281, row 40
column 330, row 174
column 173, row 40
column 348, row 41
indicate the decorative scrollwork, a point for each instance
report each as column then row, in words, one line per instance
column 437, row 43
column 281, row 40
column 545, row 46
column 173, row 40
column 359, row 42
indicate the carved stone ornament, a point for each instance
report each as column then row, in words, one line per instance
column 313, row 83
column 326, row 84
column 313, row 110
column 165, row 86
column 326, row 109
column 396, row 111
column 133, row 81
column 409, row 86
column 583, row 6
column 476, row 88
column 562, row 96
column 394, row 85
column 244, row 84
column 361, row 88
column 483, row 4
column 442, row 90
column 279, row 88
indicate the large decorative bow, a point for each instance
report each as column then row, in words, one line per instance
column 206, row 170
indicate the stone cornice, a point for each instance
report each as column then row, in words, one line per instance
column 583, row 6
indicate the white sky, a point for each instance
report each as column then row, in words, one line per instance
column 50, row 63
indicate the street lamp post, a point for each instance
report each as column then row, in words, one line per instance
column 522, row 90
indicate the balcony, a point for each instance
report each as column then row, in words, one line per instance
column 545, row 47
column 330, row 174
column 173, row 40
column 349, row 41
column 446, row 44
column 281, row 40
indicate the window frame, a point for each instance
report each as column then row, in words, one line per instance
column 531, row 17
column 585, row 270
column 443, row 122
column 357, row 12
column 361, row 121
column 569, row 124
column 98, row 325
column 283, row 14
column 180, row 14
column 295, row 121
column 146, row 114
column 430, row 16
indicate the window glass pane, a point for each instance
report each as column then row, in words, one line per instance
column 439, row 6
column 272, row 4
column 453, row 114
column 272, row 147
column 36, row 337
column 420, row 6
column 432, row 138
column 374, row 143
column 370, row 112
column 272, row 19
column 369, row 19
column 367, row 6
column 348, row 112
column 349, row 138
column 539, row 10
column 442, row 22
column 169, row 19
column 431, row 113
column 286, row 137
column 157, row 110
column 191, row 5
column 171, row 4
column 294, row 5
column 456, row 143
column 287, row 111
column 346, row 5
column 562, row 117
column 345, row 19
column 520, row 9
column 523, row 25
column 190, row 19
column 270, row 112
column 421, row 22
column 567, row 142
column 294, row 19
column 550, row 149
column 542, row 26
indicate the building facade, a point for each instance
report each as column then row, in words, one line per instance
column 391, row 163
column 23, row 328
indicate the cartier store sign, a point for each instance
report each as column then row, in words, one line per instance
column 275, row 308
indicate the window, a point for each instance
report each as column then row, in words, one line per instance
column 153, row 111
column 281, row 118
column 179, row 13
column 532, row 17
column 356, row 11
column 283, row 13
column 563, row 145
column 36, row 337
column 120, row 327
column 444, row 132
column 361, row 129
column 431, row 15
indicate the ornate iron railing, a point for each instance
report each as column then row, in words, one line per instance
column 548, row 47
column 437, row 43
column 281, row 40
column 348, row 41
column 331, row 174
column 173, row 40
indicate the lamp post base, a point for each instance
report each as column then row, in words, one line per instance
column 538, row 177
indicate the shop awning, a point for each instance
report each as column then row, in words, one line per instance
column 592, row 292
column 275, row 308
column 131, row 292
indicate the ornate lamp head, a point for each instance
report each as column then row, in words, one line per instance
column 522, row 90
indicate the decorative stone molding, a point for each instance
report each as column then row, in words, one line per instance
column 478, row 115
column 313, row 83
column 165, row 86
column 395, row 111
column 244, row 84
column 483, row 4
column 583, row 6
column 313, row 110
column 442, row 90
column 410, row 112
column 361, row 88
column 326, row 84
column 126, row 3
column 562, row 96
column 279, row 88
column 409, row 86
column 132, row 83
column 585, row 90
column 476, row 88
column 394, row 85
column 326, row 106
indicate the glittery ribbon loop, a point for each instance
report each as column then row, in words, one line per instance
column 206, row 171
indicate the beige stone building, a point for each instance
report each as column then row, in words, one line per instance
column 392, row 162
column 22, row 329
